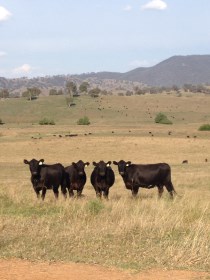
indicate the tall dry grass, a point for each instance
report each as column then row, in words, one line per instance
column 124, row 232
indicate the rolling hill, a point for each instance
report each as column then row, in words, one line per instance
column 176, row 70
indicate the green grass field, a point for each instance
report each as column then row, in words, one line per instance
column 124, row 232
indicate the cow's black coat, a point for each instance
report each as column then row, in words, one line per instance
column 76, row 177
column 45, row 177
column 102, row 178
column 146, row 176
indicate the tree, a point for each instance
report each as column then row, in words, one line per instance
column 4, row 93
column 71, row 90
column 175, row 88
column 31, row 93
column 84, row 87
column 94, row 92
column 60, row 92
column 53, row 91
column 162, row 119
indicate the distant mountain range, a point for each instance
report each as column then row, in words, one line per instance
column 176, row 70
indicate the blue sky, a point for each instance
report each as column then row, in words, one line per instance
column 50, row 37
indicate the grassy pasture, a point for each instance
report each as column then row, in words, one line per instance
column 128, row 233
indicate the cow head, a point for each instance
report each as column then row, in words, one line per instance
column 34, row 166
column 122, row 165
column 80, row 166
column 102, row 166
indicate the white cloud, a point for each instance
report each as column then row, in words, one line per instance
column 2, row 54
column 24, row 69
column 155, row 5
column 127, row 8
column 4, row 14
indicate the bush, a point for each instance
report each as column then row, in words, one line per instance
column 46, row 121
column 161, row 118
column 83, row 121
column 95, row 206
column 1, row 122
column 204, row 127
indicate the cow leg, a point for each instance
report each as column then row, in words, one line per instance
column 160, row 191
column 98, row 194
column 63, row 190
column 170, row 189
column 71, row 192
column 37, row 194
column 79, row 193
column 56, row 192
column 135, row 191
column 43, row 193
column 106, row 194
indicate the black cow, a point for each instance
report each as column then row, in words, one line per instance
column 76, row 177
column 102, row 178
column 146, row 176
column 45, row 177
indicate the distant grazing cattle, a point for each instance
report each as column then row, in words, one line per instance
column 185, row 161
column 146, row 176
column 76, row 177
column 45, row 177
column 102, row 178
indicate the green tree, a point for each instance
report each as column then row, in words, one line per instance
column 83, row 121
column 31, row 93
column 84, row 87
column 71, row 90
column 162, row 118
column 53, row 91
column 94, row 92
column 4, row 93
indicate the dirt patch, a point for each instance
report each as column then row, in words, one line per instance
column 24, row 270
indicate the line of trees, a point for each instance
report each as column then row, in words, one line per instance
column 72, row 89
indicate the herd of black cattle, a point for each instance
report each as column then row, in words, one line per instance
column 73, row 177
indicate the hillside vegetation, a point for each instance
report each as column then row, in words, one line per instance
column 128, row 233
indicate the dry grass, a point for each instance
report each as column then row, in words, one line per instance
column 129, row 233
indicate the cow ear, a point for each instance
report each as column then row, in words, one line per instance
column 41, row 161
column 26, row 161
column 108, row 163
column 115, row 163
column 86, row 164
column 94, row 163
column 128, row 163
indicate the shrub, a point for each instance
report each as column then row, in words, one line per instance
column 162, row 118
column 46, row 121
column 95, row 206
column 83, row 121
column 1, row 122
column 204, row 127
